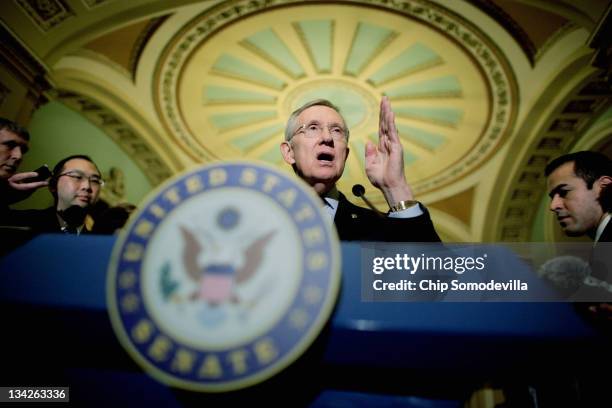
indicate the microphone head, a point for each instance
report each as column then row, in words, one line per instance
column 566, row 273
column 358, row 190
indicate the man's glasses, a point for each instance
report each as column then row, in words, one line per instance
column 313, row 130
column 79, row 176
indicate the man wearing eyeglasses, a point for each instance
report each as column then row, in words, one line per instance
column 316, row 146
column 75, row 186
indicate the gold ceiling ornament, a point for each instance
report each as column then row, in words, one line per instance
column 114, row 186
column 228, row 81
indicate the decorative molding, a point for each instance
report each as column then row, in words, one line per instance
column 510, row 25
column 483, row 51
column 14, row 57
column 114, row 187
column 601, row 42
column 23, row 67
column 102, row 59
column 121, row 133
column 141, row 42
column 581, row 106
column 46, row 14
column 95, row 3
column 129, row 69
column 552, row 40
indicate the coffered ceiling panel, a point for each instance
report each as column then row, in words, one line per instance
column 227, row 93
column 484, row 91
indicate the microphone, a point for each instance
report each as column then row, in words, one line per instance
column 74, row 215
column 566, row 273
column 359, row 191
column 597, row 283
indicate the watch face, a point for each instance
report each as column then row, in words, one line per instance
column 225, row 277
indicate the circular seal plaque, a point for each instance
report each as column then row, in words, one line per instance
column 224, row 277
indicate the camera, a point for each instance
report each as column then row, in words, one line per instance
column 43, row 174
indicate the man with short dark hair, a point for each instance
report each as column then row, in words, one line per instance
column 316, row 146
column 579, row 187
column 576, row 185
column 75, row 186
column 14, row 144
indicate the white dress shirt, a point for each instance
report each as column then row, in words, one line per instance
column 331, row 206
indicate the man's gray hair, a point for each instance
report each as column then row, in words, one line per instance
column 9, row 125
column 292, row 122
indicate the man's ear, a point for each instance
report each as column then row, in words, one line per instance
column 52, row 185
column 605, row 181
column 604, row 188
column 287, row 152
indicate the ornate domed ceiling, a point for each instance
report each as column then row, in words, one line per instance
column 227, row 85
column 485, row 92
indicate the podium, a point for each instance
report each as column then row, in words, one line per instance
column 57, row 332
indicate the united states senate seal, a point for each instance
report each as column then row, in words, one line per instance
column 224, row 277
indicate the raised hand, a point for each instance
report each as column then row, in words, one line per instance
column 19, row 181
column 20, row 188
column 385, row 162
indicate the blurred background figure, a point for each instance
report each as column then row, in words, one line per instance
column 112, row 219
column 14, row 144
column 75, row 186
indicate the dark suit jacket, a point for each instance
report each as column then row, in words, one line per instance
column 7, row 197
column 606, row 235
column 601, row 257
column 12, row 233
column 39, row 221
column 355, row 223
column 601, row 268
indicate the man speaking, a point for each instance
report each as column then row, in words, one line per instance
column 316, row 146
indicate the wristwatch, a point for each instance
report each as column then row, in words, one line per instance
column 402, row 205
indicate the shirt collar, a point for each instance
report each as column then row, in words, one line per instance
column 64, row 225
column 602, row 226
column 331, row 198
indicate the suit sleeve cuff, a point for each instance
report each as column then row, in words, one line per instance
column 411, row 212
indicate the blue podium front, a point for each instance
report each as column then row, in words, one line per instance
column 57, row 332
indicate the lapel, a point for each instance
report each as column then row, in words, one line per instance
column 348, row 219
column 599, row 256
column 606, row 235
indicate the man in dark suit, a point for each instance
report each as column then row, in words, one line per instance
column 14, row 187
column 575, row 184
column 579, row 186
column 580, row 189
column 75, row 186
column 316, row 146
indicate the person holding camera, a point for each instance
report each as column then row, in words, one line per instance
column 14, row 187
column 75, row 185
